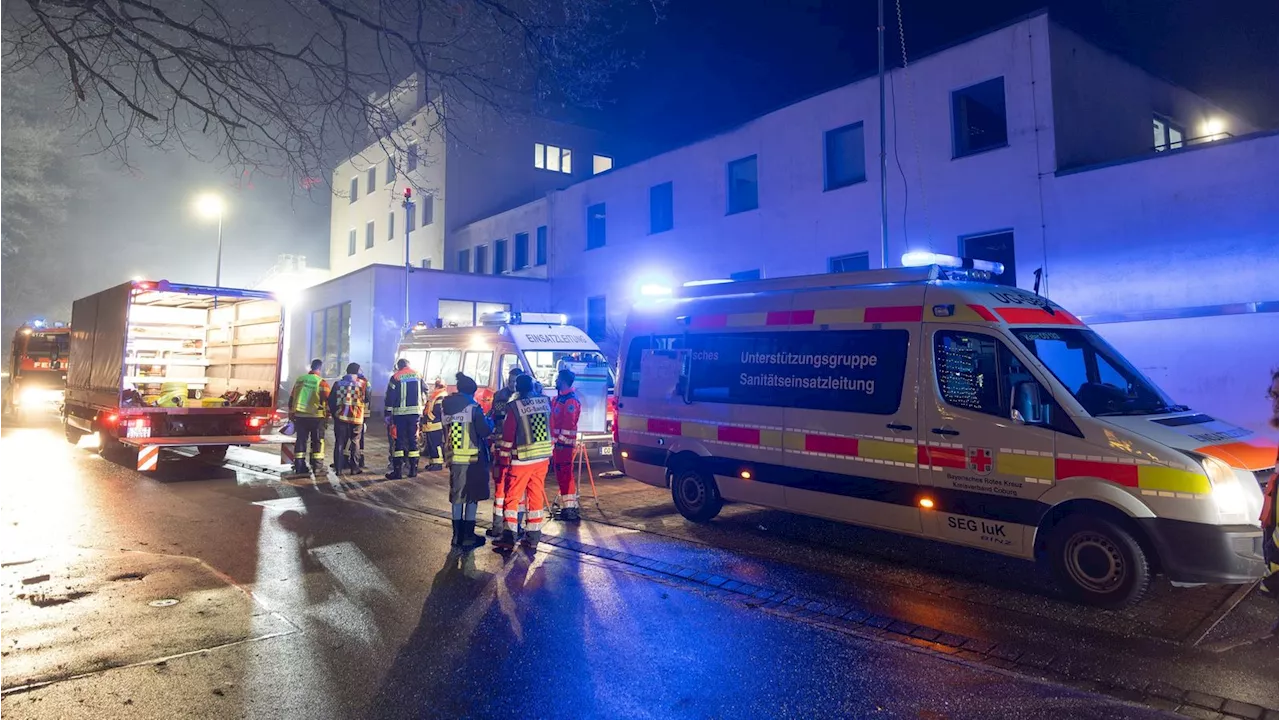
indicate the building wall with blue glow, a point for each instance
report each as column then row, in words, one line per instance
column 1138, row 245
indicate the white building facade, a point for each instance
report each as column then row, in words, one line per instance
column 1138, row 205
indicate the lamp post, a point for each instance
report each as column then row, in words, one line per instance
column 209, row 206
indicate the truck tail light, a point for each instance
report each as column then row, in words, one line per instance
column 256, row 422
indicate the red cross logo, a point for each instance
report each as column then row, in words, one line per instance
column 980, row 460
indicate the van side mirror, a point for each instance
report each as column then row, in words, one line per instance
column 1027, row 407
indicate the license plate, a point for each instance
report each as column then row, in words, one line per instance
column 139, row 432
column 606, row 449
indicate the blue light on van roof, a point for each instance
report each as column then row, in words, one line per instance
column 920, row 258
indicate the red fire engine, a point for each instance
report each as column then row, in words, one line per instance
column 37, row 365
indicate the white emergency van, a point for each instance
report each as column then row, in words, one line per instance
column 541, row 344
column 933, row 402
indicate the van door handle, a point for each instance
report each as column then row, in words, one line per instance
column 945, row 431
column 903, row 428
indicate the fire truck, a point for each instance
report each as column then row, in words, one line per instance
column 37, row 366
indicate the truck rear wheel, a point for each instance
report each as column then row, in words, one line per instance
column 695, row 494
column 212, row 453
column 73, row 434
column 1097, row 562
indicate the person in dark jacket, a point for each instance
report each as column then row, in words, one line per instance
column 498, row 412
column 347, row 408
column 466, row 452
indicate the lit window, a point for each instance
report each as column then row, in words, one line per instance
column 601, row 163
column 1166, row 134
column 553, row 158
column 566, row 161
column 539, row 155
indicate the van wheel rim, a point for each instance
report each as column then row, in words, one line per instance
column 692, row 492
column 1094, row 562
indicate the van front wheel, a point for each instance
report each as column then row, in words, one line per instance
column 695, row 494
column 1098, row 563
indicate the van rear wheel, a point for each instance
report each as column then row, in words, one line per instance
column 695, row 494
column 1097, row 562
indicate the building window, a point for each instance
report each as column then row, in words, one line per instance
column 1167, row 134
column 464, row 261
column 596, row 321
column 391, row 225
column 413, row 157
column 595, row 226
column 977, row 118
column 391, row 170
column 428, row 209
column 355, row 190
column 331, row 338
column 410, row 218
column 661, row 208
column 853, row 262
column 368, row 235
column 522, row 251
column 542, row 245
column 601, row 163
column 745, row 275
column 351, row 242
column 481, row 259
column 744, row 190
column 372, row 180
column 445, row 363
column 553, row 158
column 996, row 247
column 426, row 263
column 846, row 161
column 499, row 257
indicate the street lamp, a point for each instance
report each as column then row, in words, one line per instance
column 209, row 206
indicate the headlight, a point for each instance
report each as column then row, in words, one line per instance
column 37, row 396
column 1227, row 493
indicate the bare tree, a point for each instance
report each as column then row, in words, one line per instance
column 290, row 86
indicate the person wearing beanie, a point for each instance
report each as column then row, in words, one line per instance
column 525, row 451
column 465, row 431
column 498, row 413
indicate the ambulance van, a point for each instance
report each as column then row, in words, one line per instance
column 931, row 401
column 541, row 344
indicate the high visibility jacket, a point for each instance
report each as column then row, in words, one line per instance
column 366, row 393
column 310, row 396
column 404, row 393
column 347, row 401
column 465, row 428
column 498, row 409
column 565, row 410
column 526, row 431
column 434, row 412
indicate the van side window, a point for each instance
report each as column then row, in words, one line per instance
column 504, row 368
column 858, row 371
column 631, row 370
column 976, row 372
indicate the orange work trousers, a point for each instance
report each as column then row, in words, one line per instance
column 562, row 463
column 526, row 487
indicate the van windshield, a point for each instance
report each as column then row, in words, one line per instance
column 1099, row 378
column 544, row 364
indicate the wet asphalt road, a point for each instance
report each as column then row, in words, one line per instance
column 298, row 603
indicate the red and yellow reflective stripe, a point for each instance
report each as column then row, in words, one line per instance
column 1032, row 466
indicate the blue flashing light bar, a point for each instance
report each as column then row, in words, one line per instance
column 922, row 259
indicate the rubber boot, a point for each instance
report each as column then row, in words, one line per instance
column 569, row 514
column 395, row 470
column 300, row 467
column 531, row 539
column 435, row 466
column 413, row 467
column 506, row 542
column 456, row 541
column 467, row 537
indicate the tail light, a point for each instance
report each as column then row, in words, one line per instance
column 256, row 422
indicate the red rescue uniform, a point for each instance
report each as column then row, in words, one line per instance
column 565, row 411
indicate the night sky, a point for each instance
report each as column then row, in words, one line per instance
column 709, row 65
column 715, row 63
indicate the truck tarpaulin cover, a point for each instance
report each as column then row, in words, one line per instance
column 98, row 335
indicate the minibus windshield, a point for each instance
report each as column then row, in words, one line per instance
column 1099, row 378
